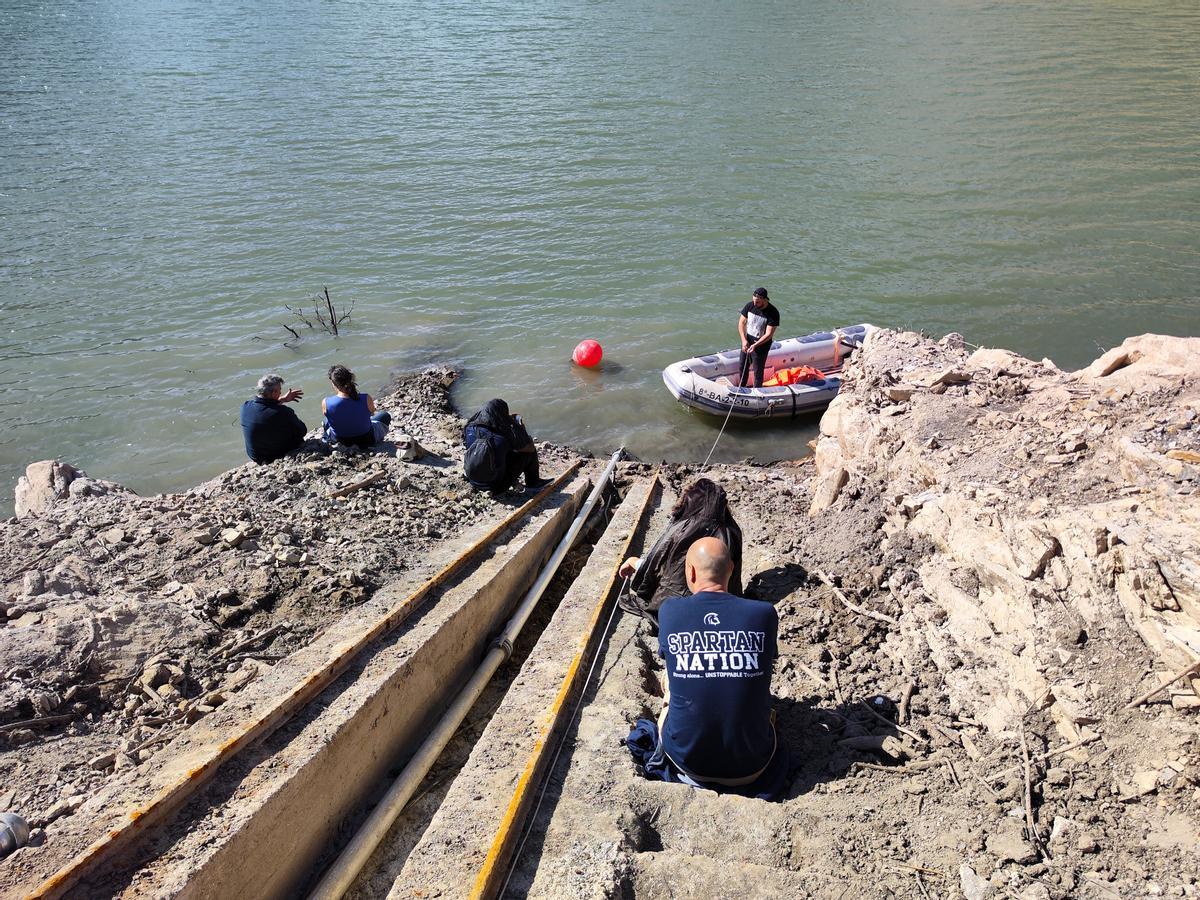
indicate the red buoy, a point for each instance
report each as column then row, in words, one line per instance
column 588, row 354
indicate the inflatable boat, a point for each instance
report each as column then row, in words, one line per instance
column 805, row 371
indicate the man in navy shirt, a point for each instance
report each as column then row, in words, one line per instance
column 756, row 328
column 270, row 429
column 719, row 651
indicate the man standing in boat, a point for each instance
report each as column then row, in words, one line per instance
column 756, row 327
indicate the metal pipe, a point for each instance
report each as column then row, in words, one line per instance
column 346, row 868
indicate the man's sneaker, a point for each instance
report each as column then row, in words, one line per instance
column 537, row 484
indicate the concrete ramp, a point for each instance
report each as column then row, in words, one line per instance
column 274, row 814
column 468, row 845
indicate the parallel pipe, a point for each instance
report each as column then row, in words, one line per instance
column 346, row 868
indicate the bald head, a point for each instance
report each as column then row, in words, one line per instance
column 708, row 565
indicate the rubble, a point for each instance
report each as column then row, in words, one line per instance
column 999, row 557
column 125, row 619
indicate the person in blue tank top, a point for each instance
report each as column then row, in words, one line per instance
column 351, row 417
column 718, row 727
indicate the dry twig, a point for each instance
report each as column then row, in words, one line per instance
column 837, row 685
column 814, row 675
column 43, row 722
column 936, row 760
column 1030, row 827
column 1065, row 748
column 358, row 485
column 854, row 607
column 1190, row 669
column 905, row 699
column 255, row 639
column 325, row 316
column 888, row 722
column 934, row 872
column 991, row 790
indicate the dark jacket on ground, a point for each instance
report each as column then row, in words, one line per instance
column 661, row 573
column 271, row 429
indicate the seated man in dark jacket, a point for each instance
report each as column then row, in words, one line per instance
column 271, row 429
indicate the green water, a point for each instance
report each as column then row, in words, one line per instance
column 492, row 182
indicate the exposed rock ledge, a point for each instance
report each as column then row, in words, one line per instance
column 1048, row 503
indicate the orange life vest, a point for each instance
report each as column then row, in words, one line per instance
column 798, row 375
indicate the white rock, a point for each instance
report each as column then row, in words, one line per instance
column 973, row 887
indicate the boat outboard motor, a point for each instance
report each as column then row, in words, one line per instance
column 14, row 833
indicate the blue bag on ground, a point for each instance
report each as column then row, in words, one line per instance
column 652, row 762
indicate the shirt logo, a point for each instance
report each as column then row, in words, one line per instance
column 712, row 619
column 756, row 324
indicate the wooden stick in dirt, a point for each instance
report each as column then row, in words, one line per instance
column 1029, row 824
column 920, row 766
column 934, row 872
column 251, row 641
column 854, row 607
column 1189, row 669
column 991, row 790
column 814, row 675
column 905, row 699
column 888, row 722
column 43, row 722
column 1065, row 748
column 837, row 684
column 358, row 485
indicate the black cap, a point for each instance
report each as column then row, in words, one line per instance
column 761, row 292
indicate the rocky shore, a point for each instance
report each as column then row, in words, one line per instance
column 124, row 619
column 998, row 554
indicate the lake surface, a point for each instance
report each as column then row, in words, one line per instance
column 491, row 182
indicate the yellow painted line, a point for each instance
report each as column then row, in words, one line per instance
column 495, row 862
column 176, row 793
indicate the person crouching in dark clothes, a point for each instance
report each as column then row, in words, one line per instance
column 717, row 727
column 499, row 450
column 702, row 511
column 271, row 430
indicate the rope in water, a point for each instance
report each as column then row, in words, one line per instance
column 745, row 371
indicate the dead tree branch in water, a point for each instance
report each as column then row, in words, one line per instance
column 324, row 316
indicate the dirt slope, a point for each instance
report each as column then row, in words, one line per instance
column 1016, row 553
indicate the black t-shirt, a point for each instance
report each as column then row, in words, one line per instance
column 757, row 319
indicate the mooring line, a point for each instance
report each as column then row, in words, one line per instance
column 704, row 465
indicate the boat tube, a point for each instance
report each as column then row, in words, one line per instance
column 710, row 383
